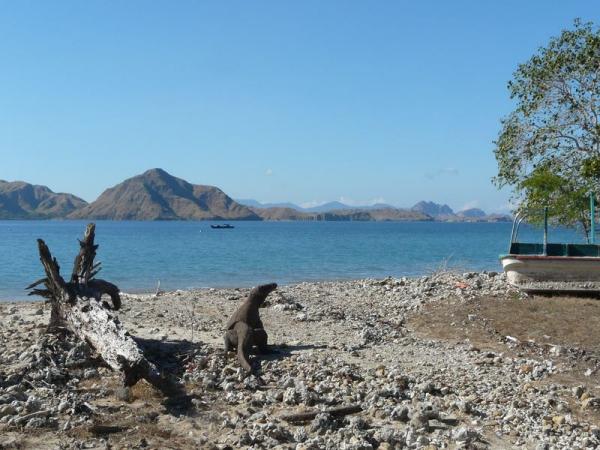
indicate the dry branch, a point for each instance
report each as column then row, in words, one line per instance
column 84, row 261
column 77, row 306
column 305, row 416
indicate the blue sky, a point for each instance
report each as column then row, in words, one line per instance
column 305, row 101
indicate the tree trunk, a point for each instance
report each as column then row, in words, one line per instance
column 78, row 306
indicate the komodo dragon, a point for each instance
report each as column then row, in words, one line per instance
column 245, row 329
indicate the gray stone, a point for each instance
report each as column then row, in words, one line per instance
column 578, row 391
column 36, row 422
column 124, row 394
column 90, row 373
column 400, row 413
column 7, row 410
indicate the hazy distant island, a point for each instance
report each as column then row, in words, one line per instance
column 157, row 195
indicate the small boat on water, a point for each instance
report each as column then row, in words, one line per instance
column 552, row 267
column 222, row 227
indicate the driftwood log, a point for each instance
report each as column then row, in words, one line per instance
column 305, row 416
column 77, row 305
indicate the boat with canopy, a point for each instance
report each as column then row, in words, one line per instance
column 550, row 267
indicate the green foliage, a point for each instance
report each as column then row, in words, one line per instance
column 567, row 202
column 548, row 149
column 590, row 168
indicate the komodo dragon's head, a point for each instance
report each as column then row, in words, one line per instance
column 259, row 293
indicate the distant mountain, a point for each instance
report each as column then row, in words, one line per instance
column 378, row 206
column 471, row 213
column 20, row 200
column 326, row 207
column 498, row 218
column 279, row 213
column 157, row 195
column 396, row 214
column 339, row 206
column 329, row 206
column 249, row 202
column 432, row 209
column 383, row 214
column 424, row 210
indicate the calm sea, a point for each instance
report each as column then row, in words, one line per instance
column 135, row 255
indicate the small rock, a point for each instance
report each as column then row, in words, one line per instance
column 578, row 391
column 465, row 406
column 63, row 406
column 400, row 413
column 558, row 420
column 321, row 423
column 33, row 404
column 592, row 403
column 420, row 421
column 465, row 435
column 124, row 394
column 36, row 422
column 7, row 410
column 90, row 373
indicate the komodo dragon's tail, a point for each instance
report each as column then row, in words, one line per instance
column 243, row 343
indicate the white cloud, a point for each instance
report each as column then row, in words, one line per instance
column 506, row 208
column 352, row 202
column 471, row 204
column 312, row 204
column 269, row 172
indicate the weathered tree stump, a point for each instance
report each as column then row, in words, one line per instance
column 77, row 305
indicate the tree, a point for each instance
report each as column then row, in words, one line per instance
column 569, row 201
column 548, row 149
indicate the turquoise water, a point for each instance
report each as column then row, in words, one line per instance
column 135, row 255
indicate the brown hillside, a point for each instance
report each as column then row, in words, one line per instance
column 157, row 195
column 20, row 200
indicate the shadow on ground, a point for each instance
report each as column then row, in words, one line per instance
column 170, row 357
column 285, row 351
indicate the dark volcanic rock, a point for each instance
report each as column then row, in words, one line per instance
column 433, row 209
column 472, row 212
column 20, row 200
column 157, row 195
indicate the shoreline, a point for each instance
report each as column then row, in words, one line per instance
column 144, row 292
column 56, row 219
column 428, row 360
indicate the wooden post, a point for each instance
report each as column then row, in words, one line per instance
column 545, row 245
column 592, row 218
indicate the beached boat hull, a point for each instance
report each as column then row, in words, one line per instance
column 538, row 273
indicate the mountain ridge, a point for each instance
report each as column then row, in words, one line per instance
column 428, row 210
column 379, row 215
column 433, row 209
column 158, row 195
column 22, row 200
column 472, row 213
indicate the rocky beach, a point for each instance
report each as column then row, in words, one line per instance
column 449, row 360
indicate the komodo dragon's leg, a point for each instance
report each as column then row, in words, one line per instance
column 260, row 338
column 230, row 340
column 244, row 343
